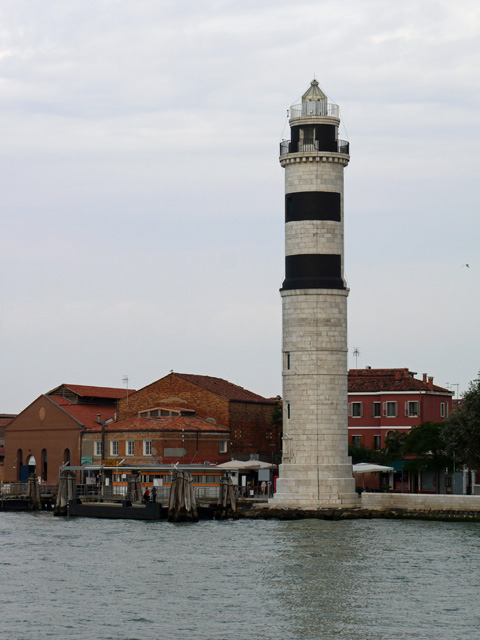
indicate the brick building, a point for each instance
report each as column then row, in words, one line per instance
column 49, row 432
column 385, row 400
column 245, row 414
column 5, row 419
column 180, row 437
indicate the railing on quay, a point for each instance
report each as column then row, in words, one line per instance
column 311, row 146
column 115, row 492
column 314, row 108
column 14, row 489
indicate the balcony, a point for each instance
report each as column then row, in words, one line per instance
column 312, row 146
column 314, row 108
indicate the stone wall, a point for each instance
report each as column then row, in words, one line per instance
column 419, row 502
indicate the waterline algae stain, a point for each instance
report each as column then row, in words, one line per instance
column 271, row 580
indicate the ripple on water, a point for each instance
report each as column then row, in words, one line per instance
column 121, row 580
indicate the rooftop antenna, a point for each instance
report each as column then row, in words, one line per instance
column 356, row 353
column 125, row 381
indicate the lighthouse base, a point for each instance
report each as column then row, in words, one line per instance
column 315, row 487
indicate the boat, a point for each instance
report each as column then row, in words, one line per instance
column 121, row 510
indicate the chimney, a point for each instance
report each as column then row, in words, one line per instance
column 425, row 378
column 398, row 375
column 430, row 383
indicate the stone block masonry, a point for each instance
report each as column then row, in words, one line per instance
column 316, row 471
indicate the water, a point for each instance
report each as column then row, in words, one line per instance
column 122, row 580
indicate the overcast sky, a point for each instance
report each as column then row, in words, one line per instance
column 142, row 198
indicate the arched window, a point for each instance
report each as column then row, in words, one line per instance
column 44, row 465
column 66, row 456
column 19, row 463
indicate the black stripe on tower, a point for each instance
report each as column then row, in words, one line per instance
column 313, row 271
column 312, row 205
column 323, row 134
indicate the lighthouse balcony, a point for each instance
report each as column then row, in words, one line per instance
column 314, row 108
column 313, row 146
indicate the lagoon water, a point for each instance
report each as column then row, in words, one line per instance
column 265, row 580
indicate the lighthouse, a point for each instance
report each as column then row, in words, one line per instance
column 316, row 470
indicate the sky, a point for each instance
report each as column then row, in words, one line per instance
column 142, row 215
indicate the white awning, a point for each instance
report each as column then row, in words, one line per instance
column 366, row 467
column 245, row 465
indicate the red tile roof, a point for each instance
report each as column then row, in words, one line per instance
column 6, row 418
column 86, row 414
column 374, row 380
column 223, row 388
column 95, row 392
column 172, row 423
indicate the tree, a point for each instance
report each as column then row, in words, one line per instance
column 394, row 445
column 425, row 442
column 362, row 454
column 461, row 430
column 276, row 422
column 276, row 418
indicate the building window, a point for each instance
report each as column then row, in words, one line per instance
column 130, row 448
column 98, row 447
column 147, row 447
column 390, row 409
column 412, row 409
column 44, row 465
column 19, row 462
column 356, row 409
column 223, row 446
column 288, row 410
column 442, row 409
column 376, row 409
column 357, row 441
column 114, row 447
column 377, row 442
column 66, row 456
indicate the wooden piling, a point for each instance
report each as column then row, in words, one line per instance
column 182, row 506
column 67, row 487
column 227, row 501
column 33, row 493
column 134, row 488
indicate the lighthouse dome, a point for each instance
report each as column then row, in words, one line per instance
column 314, row 93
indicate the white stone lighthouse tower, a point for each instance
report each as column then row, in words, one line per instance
column 316, row 470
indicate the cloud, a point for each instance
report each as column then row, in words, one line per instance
column 142, row 200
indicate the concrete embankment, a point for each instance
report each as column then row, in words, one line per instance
column 380, row 505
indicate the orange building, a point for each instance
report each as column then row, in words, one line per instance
column 49, row 432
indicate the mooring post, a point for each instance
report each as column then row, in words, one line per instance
column 66, row 492
column 182, row 505
column 33, row 493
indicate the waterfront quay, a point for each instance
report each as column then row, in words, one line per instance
column 109, row 502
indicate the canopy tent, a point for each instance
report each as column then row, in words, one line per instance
column 366, row 467
column 246, row 465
